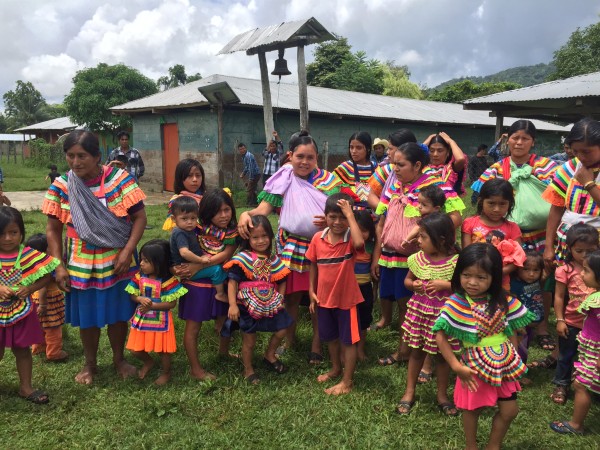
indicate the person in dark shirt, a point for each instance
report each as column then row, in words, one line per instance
column 477, row 165
column 54, row 173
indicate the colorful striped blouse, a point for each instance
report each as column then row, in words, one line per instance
column 543, row 169
column 245, row 261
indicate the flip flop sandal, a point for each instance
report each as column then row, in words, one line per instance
column 315, row 358
column 545, row 341
column 387, row 361
column 424, row 377
column 253, row 379
column 547, row 363
column 559, row 395
column 447, row 408
column 275, row 366
column 37, row 397
column 564, row 428
column 404, row 407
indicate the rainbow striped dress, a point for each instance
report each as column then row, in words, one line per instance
column 92, row 267
column 586, row 371
column 291, row 248
column 356, row 180
column 485, row 336
column 393, row 259
column 566, row 192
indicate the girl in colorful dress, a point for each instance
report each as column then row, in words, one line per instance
column 23, row 271
column 155, row 291
column 495, row 203
column 399, row 213
column 569, row 293
column 355, row 172
column 429, row 274
column 362, row 270
column 217, row 235
column 484, row 318
column 50, row 301
column 430, row 200
column 189, row 181
column 300, row 190
column 587, row 369
column 256, row 289
column 447, row 160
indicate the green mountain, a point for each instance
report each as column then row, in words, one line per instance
column 523, row 75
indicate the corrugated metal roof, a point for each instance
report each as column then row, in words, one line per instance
column 574, row 87
column 322, row 101
column 310, row 30
column 16, row 137
column 61, row 124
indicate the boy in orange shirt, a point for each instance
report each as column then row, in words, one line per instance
column 334, row 291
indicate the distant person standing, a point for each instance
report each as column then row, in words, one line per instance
column 135, row 164
column 477, row 165
column 251, row 171
column 379, row 153
column 54, row 173
column 272, row 155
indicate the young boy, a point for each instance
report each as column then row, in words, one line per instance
column 53, row 175
column 333, row 289
column 251, row 171
column 185, row 247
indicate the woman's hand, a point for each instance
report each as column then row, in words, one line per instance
column 6, row 293
column 445, row 137
column 233, row 313
column 562, row 330
column 61, row 276
column 375, row 270
column 245, row 225
column 23, row 292
column 123, row 261
column 549, row 259
column 584, row 175
column 428, row 140
column 467, row 378
column 182, row 271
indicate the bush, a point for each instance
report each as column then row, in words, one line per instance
column 43, row 154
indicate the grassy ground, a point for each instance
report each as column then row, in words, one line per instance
column 21, row 177
column 287, row 410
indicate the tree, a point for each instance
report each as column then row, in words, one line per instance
column 3, row 124
column 99, row 88
column 466, row 89
column 25, row 106
column 177, row 77
column 580, row 55
column 396, row 82
column 336, row 67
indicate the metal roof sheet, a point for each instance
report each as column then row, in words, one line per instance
column 61, row 124
column 16, row 137
column 322, row 101
column 308, row 30
column 580, row 86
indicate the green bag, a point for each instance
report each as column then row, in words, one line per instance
column 531, row 211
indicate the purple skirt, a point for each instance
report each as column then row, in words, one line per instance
column 199, row 304
column 24, row 333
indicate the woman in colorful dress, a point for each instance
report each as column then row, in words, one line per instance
column 299, row 189
column 446, row 160
column 103, row 211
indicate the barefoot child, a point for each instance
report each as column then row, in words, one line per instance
column 156, row 292
column 333, row 290
column 51, row 310
column 256, row 288
column 587, row 369
column 484, row 318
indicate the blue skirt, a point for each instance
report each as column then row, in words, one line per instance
column 248, row 324
column 96, row 308
column 391, row 283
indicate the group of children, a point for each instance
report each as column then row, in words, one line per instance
column 473, row 301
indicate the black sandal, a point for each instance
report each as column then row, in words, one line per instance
column 545, row 341
column 404, row 407
column 253, row 379
column 315, row 358
column 37, row 397
column 275, row 366
column 547, row 363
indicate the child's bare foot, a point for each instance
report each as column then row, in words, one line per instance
column 203, row 375
column 86, row 375
column 163, row 379
column 331, row 375
column 148, row 365
column 339, row 389
column 125, row 370
column 221, row 295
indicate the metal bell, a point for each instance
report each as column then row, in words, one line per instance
column 281, row 66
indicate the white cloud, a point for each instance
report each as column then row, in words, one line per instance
column 51, row 74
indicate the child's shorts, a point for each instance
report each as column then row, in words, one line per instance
column 342, row 324
column 216, row 274
column 365, row 309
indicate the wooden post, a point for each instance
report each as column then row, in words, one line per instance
column 302, row 86
column 220, row 140
column 325, row 155
column 499, row 124
column 266, row 91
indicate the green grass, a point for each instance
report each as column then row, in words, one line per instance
column 21, row 177
column 284, row 411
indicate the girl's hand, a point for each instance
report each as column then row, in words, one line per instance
column 562, row 330
column 6, row 293
column 233, row 313
column 375, row 270
column 467, row 378
column 245, row 225
column 62, row 278
column 434, row 286
column 145, row 308
column 319, row 221
column 584, row 175
column 144, row 301
column 23, row 292
column 123, row 261
column 418, row 286
column 42, row 310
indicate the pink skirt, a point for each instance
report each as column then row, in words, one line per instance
column 485, row 395
column 24, row 333
column 297, row 282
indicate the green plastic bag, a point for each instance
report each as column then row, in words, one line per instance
column 530, row 211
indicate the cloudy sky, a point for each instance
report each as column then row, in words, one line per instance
column 47, row 41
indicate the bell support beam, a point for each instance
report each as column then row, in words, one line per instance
column 266, row 91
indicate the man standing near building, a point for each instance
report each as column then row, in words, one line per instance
column 135, row 164
column 251, row 171
column 272, row 155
